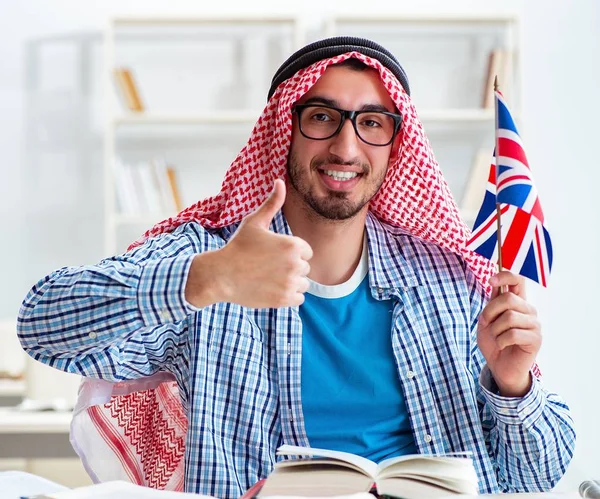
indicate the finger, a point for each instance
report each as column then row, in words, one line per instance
column 265, row 213
column 515, row 283
column 303, row 285
column 306, row 252
column 502, row 303
column 304, row 268
column 297, row 300
column 513, row 320
column 529, row 341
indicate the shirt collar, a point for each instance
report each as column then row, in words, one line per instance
column 388, row 266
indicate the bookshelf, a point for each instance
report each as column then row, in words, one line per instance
column 200, row 101
column 447, row 59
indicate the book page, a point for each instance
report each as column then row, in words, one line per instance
column 315, row 480
column 415, row 489
column 450, row 486
column 305, row 462
column 453, row 473
column 366, row 465
column 447, row 465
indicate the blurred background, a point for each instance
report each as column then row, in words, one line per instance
column 116, row 114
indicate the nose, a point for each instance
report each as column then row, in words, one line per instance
column 346, row 143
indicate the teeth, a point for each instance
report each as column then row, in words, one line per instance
column 341, row 175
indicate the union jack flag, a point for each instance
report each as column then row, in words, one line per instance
column 526, row 245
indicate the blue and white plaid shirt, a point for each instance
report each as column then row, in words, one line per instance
column 238, row 369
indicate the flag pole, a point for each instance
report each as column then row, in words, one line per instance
column 498, row 211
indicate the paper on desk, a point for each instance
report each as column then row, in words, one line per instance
column 16, row 484
column 110, row 490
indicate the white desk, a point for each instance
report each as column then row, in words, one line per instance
column 34, row 434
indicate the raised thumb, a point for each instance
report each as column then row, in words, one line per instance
column 265, row 213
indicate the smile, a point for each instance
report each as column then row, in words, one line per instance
column 339, row 181
column 341, row 176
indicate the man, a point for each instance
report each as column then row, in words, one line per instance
column 341, row 311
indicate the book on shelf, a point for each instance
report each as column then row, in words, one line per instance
column 476, row 183
column 326, row 473
column 127, row 90
column 172, row 176
column 147, row 188
column 499, row 64
column 166, row 177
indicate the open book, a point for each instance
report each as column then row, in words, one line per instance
column 328, row 473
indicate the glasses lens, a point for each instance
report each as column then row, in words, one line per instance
column 320, row 122
column 375, row 128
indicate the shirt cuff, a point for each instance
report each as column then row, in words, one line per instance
column 161, row 290
column 513, row 410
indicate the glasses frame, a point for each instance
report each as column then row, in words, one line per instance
column 350, row 115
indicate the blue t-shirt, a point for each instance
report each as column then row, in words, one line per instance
column 352, row 398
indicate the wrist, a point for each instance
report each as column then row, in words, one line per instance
column 206, row 281
column 517, row 389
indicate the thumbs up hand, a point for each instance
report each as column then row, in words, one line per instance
column 257, row 268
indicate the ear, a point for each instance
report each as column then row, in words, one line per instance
column 396, row 145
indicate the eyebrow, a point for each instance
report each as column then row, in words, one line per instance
column 334, row 103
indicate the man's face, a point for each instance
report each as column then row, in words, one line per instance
column 313, row 164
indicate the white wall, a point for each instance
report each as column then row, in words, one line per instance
column 561, row 108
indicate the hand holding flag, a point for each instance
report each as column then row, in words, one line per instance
column 509, row 228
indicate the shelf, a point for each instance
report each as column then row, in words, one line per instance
column 13, row 421
column 427, row 18
column 10, row 388
column 457, row 115
column 204, row 20
column 143, row 219
column 224, row 117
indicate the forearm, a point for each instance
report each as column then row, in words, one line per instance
column 81, row 319
column 82, row 309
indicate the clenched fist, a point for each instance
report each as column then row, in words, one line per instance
column 256, row 268
column 509, row 335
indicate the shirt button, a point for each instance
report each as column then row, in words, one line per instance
column 410, row 374
column 92, row 335
column 380, row 290
column 428, row 438
column 165, row 314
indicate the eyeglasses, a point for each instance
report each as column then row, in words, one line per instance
column 320, row 122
